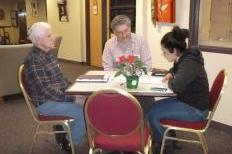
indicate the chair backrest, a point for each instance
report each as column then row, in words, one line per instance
column 11, row 56
column 26, row 92
column 216, row 92
column 113, row 113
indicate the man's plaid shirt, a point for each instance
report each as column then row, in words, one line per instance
column 44, row 77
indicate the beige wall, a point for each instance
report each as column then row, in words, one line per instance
column 213, row 61
column 7, row 7
column 154, row 33
column 72, row 32
column 41, row 16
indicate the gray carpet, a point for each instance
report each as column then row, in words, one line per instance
column 17, row 127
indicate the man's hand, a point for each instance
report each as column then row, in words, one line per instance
column 167, row 77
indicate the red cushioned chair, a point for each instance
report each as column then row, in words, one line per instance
column 199, row 127
column 114, row 121
column 41, row 120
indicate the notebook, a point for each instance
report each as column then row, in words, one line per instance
column 93, row 78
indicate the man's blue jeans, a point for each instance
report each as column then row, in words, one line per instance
column 67, row 109
column 171, row 108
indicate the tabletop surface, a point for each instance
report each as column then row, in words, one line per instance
column 148, row 85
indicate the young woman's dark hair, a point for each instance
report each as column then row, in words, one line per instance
column 175, row 39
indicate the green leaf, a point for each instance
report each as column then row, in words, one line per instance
column 144, row 70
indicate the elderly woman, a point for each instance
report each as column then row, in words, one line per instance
column 47, row 83
column 187, row 78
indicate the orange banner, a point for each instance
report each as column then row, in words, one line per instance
column 165, row 10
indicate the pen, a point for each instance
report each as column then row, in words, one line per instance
column 158, row 89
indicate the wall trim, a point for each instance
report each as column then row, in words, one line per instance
column 78, row 63
column 72, row 61
column 221, row 127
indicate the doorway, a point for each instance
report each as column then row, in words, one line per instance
column 99, row 13
column 22, row 22
column 19, row 16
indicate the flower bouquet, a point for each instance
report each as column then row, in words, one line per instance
column 131, row 67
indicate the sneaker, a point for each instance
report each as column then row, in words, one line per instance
column 168, row 148
column 174, row 143
column 156, row 147
column 61, row 139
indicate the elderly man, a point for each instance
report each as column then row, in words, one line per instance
column 124, row 43
column 47, row 83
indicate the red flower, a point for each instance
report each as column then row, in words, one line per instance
column 131, row 59
column 129, row 65
column 122, row 59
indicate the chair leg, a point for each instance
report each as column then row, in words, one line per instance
column 34, row 139
column 91, row 151
column 163, row 141
column 70, row 138
column 32, row 143
column 203, row 143
column 148, row 149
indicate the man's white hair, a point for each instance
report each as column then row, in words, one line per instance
column 37, row 30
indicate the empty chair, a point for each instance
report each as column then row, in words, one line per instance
column 114, row 121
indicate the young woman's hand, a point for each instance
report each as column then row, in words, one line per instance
column 167, row 77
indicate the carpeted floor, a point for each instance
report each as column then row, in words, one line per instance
column 17, row 127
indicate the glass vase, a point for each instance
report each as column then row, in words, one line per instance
column 132, row 81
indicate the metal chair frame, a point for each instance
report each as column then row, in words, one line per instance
column 50, row 120
column 198, row 132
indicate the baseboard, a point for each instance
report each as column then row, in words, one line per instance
column 74, row 62
column 79, row 63
column 11, row 97
column 1, row 99
column 221, row 127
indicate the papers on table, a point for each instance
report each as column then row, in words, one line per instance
column 97, row 80
column 147, row 83
column 93, row 78
column 119, row 79
column 142, row 79
column 154, row 82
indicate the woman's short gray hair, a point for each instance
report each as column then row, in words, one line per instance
column 37, row 30
column 120, row 20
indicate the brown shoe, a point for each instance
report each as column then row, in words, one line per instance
column 61, row 139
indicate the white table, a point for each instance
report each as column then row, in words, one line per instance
column 145, row 87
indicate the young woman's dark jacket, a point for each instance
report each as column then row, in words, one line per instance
column 190, row 81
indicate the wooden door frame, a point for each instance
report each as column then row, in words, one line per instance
column 104, row 26
column 87, row 31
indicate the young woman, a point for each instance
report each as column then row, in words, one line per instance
column 187, row 78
